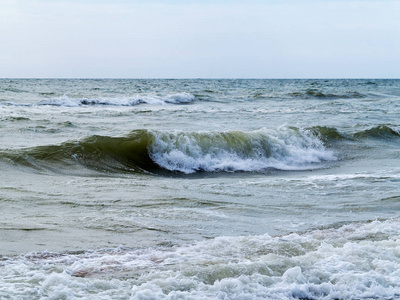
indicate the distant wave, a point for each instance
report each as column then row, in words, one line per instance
column 183, row 152
column 311, row 93
column 319, row 94
column 386, row 132
column 67, row 101
column 180, row 98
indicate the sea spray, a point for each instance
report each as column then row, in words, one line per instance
column 282, row 149
column 183, row 152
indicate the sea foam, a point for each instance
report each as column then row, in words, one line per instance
column 355, row 261
column 282, row 149
column 183, row 152
column 178, row 98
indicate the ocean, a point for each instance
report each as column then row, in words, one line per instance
column 199, row 189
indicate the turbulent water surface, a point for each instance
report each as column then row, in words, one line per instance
column 199, row 189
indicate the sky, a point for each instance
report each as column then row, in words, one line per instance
column 199, row 39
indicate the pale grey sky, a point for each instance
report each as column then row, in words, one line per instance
column 200, row 39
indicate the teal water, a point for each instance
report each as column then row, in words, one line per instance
column 199, row 189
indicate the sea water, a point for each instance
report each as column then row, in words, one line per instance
column 199, row 189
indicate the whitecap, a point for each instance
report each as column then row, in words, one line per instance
column 68, row 101
column 282, row 149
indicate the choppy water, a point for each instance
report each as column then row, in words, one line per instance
column 199, row 189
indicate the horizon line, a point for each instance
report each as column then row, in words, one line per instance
column 206, row 78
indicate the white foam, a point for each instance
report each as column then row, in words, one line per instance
column 395, row 129
column 283, row 149
column 179, row 98
column 355, row 261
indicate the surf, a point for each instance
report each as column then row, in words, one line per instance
column 136, row 99
column 155, row 151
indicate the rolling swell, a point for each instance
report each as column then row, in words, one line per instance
column 99, row 153
column 314, row 93
column 181, row 152
column 168, row 152
column 383, row 132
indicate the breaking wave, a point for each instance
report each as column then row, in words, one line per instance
column 179, row 98
column 183, row 152
column 286, row 148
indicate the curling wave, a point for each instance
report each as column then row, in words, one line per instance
column 184, row 152
column 283, row 149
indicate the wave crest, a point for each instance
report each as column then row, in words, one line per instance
column 179, row 98
column 319, row 94
column 385, row 132
column 286, row 148
column 183, row 152
column 283, row 149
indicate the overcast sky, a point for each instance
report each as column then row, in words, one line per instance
column 200, row 39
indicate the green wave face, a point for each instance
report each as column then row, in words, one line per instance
column 383, row 132
column 99, row 153
column 182, row 152
column 286, row 148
